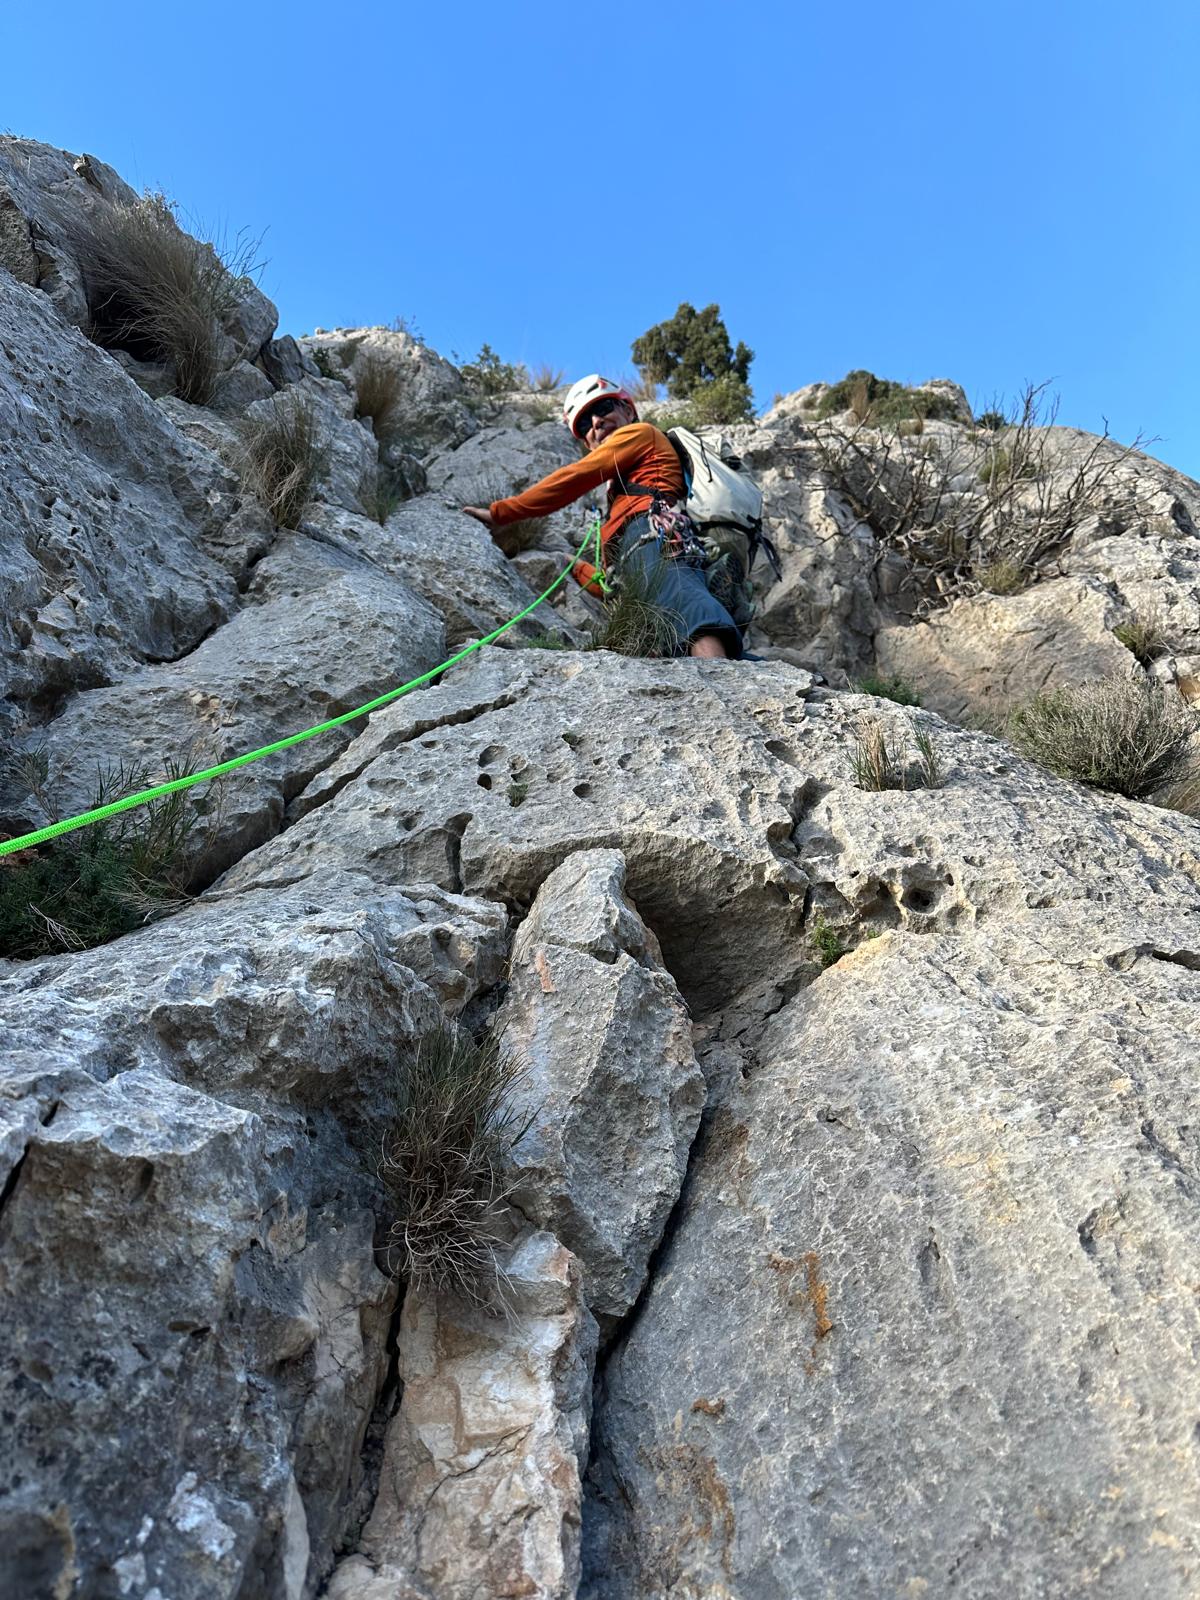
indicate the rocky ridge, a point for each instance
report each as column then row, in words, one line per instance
column 867, row 1279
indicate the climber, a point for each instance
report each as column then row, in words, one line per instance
column 646, row 529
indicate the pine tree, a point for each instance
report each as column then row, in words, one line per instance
column 693, row 356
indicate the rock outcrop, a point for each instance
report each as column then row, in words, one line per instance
column 850, row 1244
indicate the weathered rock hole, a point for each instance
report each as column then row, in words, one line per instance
column 492, row 754
column 484, row 781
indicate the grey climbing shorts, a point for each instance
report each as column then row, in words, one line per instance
column 679, row 588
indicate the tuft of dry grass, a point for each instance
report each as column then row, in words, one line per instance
column 882, row 760
column 545, row 378
column 1146, row 635
column 1124, row 734
column 635, row 621
column 283, row 456
column 157, row 292
column 443, row 1160
column 1003, row 577
column 377, row 387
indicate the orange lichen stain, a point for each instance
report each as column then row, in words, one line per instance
column 703, row 1509
column 542, row 967
column 710, row 1408
column 804, row 1288
column 818, row 1294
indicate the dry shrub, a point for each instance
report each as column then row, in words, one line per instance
column 545, row 378
column 443, row 1160
column 377, row 387
column 881, row 759
column 971, row 510
column 283, row 457
column 1123, row 734
column 158, row 293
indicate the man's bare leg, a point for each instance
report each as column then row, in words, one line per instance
column 709, row 646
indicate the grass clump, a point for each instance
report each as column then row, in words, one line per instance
column 518, row 791
column 1123, row 734
column 283, row 457
column 443, row 1160
column 893, row 688
column 545, row 378
column 882, row 760
column 545, row 641
column 158, row 293
column 377, row 387
column 1003, row 577
column 826, row 941
column 1146, row 636
column 90, row 886
column 635, row 621
column 991, row 421
column 880, row 403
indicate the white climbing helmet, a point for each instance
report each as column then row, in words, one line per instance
column 584, row 394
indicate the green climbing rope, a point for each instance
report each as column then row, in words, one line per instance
column 54, row 829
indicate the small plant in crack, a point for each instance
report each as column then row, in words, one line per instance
column 882, row 759
column 571, row 738
column 443, row 1160
column 894, row 688
column 826, row 941
column 1146, row 636
column 517, row 791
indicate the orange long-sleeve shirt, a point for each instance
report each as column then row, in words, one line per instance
column 638, row 451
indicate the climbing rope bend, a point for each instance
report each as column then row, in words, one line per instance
column 173, row 785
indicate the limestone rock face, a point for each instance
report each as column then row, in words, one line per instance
column 521, row 758
column 197, row 1327
column 429, row 410
column 42, row 191
column 613, row 1082
column 321, row 640
column 480, row 1489
column 954, row 1194
column 107, row 514
column 992, row 653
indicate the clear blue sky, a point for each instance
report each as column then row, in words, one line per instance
column 988, row 193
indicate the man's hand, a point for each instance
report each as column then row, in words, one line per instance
column 481, row 514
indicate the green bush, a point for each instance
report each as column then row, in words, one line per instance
column 991, row 421
column 1123, row 734
column 87, row 887
column 692, row 354
column 893, row 688
column 879, row 402
column 826, row 941
column 443, row 1160
column 1003, row 577
column 158, row 293
column 488, row 378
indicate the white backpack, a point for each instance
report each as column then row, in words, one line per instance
column 726, row 505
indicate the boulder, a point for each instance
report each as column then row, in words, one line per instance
column 480, row 1488
column 429, row 410
column 613, row 1086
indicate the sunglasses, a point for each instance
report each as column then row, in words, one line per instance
column 600, row 409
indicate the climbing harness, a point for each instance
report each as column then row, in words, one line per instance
column 67, row 825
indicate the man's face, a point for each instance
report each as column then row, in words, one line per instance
column 598, row 428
